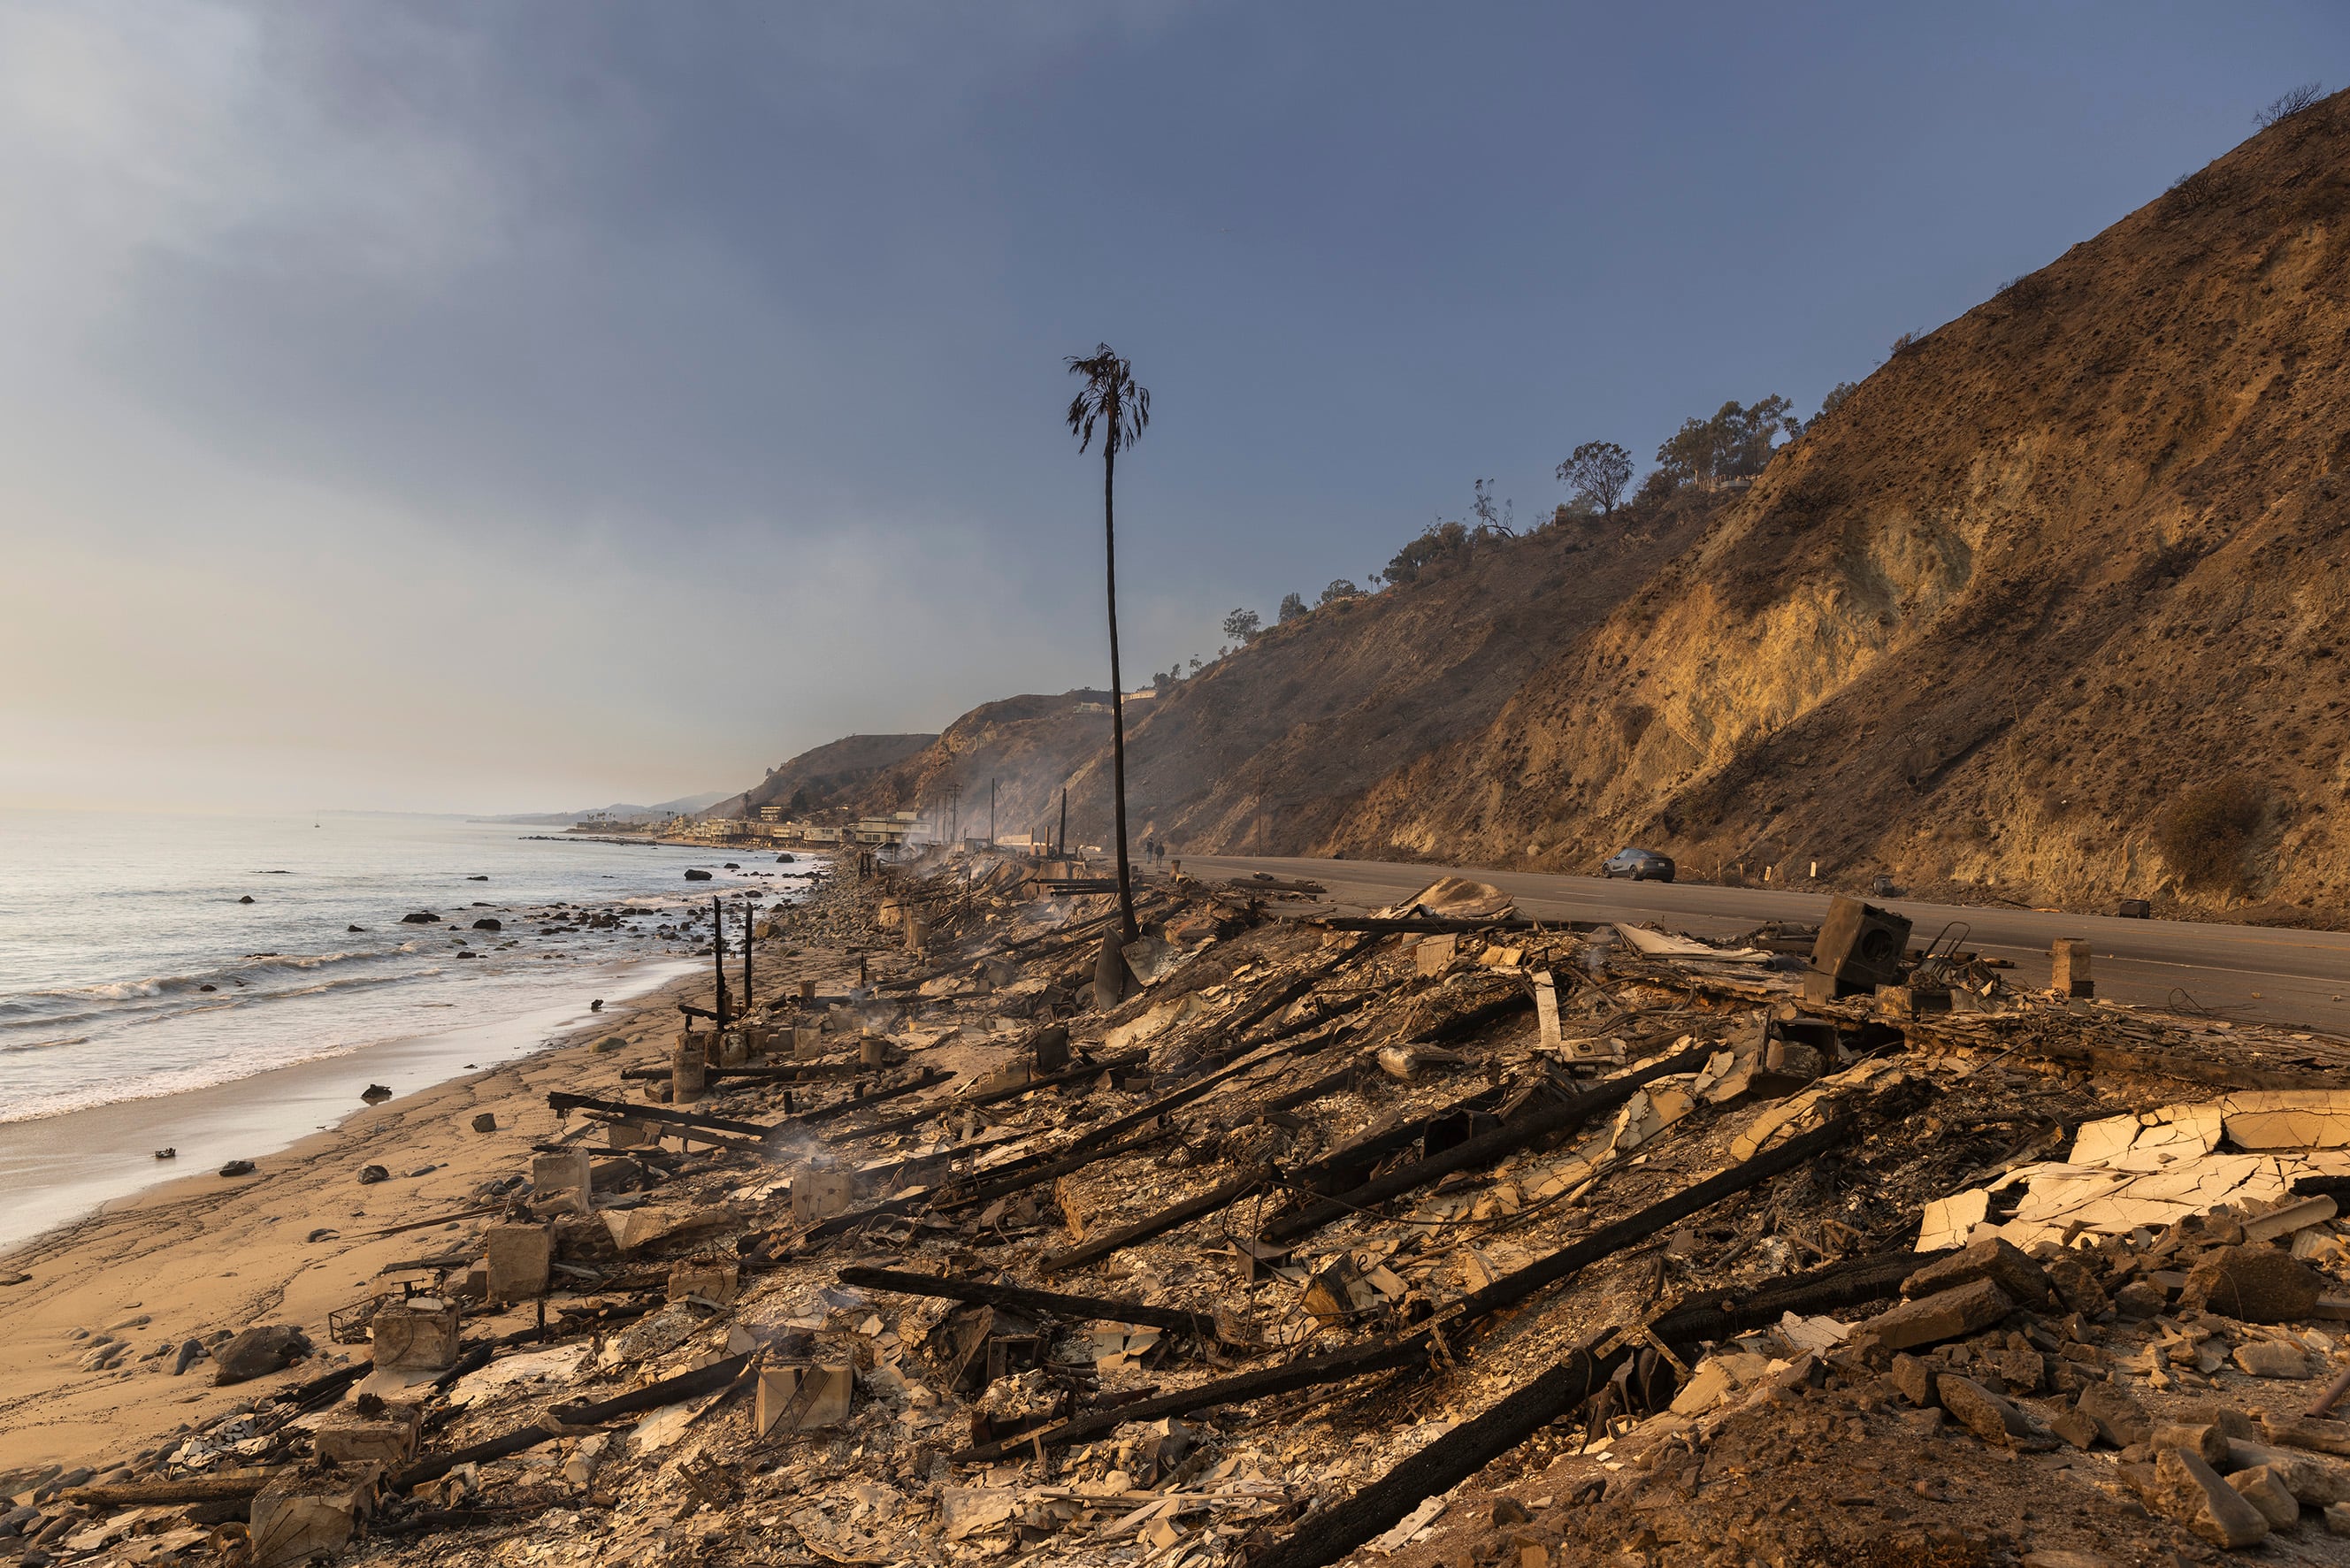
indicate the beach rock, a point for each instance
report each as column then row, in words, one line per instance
column 489, row 923
column 11, row 1277
column 420, row 917
column 238, row 1168
column 477, row 878
column 246, row 899
column 190, row 1349
column 375, row 1093
column 208, row 986
column 258, row 1351
column 486, row 1123
column 467, row 952
column 323, row 1233
column 167, row 1154
column 596, row 1005
column 355, row 928
column 372, row 1174
column 693, row 876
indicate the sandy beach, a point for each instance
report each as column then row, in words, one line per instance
column 200, row 1253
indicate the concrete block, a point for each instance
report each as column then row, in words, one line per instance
column 821, row 1194
column 2068, row 967
column 716, row 1280
column 296, row 1519
column 565, row 1172
column 2262, row 1488
column 419, row 1335
column 827, row 1405
column 520, row 1262
column 388, row 1442
column 689, row 1073
column 733, row 1049
column 807, row 1041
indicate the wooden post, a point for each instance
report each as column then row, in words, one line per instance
column 749, row 917
column 718, row 956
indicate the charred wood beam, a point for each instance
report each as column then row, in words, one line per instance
column 1333, row 1367
column 177, row 1490
column 1284, row 994
column 798, row 1073
column 1476, row 1153
column 1350, row 1165
column 1220, row 1196
column 1433, row 924
column 560, row 1101
column 1018, row 1176
column 652, row 1397
column 992, row 1098
column 1323, row 1538
column 1094, row 1309
column 1852, row 1283
column 931, row 1078
column 1609, row 1240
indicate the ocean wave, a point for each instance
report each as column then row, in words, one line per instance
column 46, row 1002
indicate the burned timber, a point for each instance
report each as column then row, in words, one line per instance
column 1287, row 1236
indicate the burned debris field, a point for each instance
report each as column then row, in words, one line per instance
column 1434, row 1235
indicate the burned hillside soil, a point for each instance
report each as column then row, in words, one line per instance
column 1438, row 1236
column 2051, row 573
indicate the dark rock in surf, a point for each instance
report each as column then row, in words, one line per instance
column 421, row 918
column 238, row 1168
column 477, row 878
column 489, row 923
column 696, row 876
column 246, row 899
column 375, row 1093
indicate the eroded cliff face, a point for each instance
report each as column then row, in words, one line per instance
column 2070, row 556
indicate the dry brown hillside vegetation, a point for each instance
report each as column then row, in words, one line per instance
column 2053, row 604
column 2049, row 608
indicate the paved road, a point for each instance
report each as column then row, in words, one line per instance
column 2292, row 977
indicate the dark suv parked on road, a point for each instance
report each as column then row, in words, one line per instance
column 1641, row 865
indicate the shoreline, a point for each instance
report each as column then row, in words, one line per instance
column 61, row 1168
column 194, row 1253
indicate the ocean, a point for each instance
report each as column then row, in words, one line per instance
column 135, row 978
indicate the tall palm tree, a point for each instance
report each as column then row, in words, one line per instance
column 1112, row 403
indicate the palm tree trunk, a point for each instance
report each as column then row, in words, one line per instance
column 1117, row 697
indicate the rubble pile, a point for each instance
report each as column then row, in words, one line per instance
column 1277, row 1236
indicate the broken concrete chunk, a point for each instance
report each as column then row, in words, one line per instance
column 419, row 1335
column 2207, row 1505
column 519, row 1262
column 784, row 1401
column 717, row 1280
column 2262, row 1488
column 2316, row 1482
column 2307, row 1432
column 2198, row 1438
column 1992, row 1257
column 2273, row 1358
column 821, row 1194
column 1950, row 1221
column 391, row 1441
column 2256, row 1283
column 294, row 1521
column 1988, row 1416
column 1915, row 1378
column 2292, row 1218
column 1946, row 1315
column 566, row 1172
column 2120, row 1420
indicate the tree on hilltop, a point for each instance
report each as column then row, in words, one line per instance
column 1595, row 474
column 1735, row 444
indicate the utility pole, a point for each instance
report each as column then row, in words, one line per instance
column 718, row 954
column 749, row 917
column 990, row 814
column 954, row 812
column 1063, row 851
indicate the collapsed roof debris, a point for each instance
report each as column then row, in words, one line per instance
column 1440, row 1233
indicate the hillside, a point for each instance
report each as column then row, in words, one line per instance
column 1028, row 745
column 2049, row 574
column 825, row 777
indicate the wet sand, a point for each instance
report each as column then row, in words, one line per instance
column 200, row 1252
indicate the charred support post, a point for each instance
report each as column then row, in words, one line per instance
column 749, row 917
column 1157, row 1225
column 718, row 957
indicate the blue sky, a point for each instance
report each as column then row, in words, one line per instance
column 422, row 406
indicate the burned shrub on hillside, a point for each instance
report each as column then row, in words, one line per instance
column 2206, row 834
